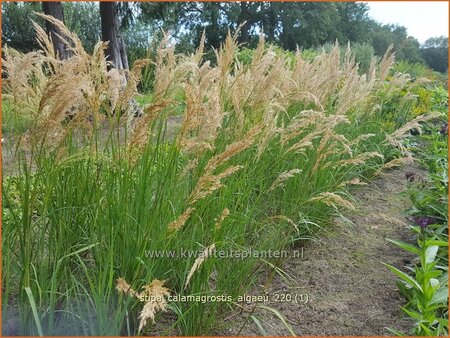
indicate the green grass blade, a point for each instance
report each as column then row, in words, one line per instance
column 258, row 324
column 280, row 316
column 34, row 309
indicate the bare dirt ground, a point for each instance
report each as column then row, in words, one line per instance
column 349, row 291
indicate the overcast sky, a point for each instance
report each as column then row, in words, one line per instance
column 423, row 19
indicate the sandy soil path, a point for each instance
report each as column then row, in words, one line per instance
column 349, row 291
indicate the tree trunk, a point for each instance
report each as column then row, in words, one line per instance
column 55, row 9
column 244, row 17
column 115, row 53
column 271, row 24
column 212, row 31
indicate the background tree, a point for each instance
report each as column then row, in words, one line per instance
column 406, row 47
column 286, row 24
column 435, row 53
column 115, row 52
column 354, row 22
column 84, row 19
column 17, row 32
column 55, row 9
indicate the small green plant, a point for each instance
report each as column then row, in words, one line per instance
column 426, row 288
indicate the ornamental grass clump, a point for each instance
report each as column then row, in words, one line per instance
column 244, row 156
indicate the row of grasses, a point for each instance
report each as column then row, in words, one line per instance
column 263, row 155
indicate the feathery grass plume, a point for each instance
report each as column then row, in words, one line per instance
column 189, row 167
column 166, row 69
column 300, row 122
column 115, row 78
column 399, row 145
column 295, row 95
column 358, row 160
column 72, row 88
column 305, row 142
column 342, row 141
column 321, row 150
column 71, row 40
column 414, row 124
column 198, row 262
column 372, row 70
column 247, row 90
column 283, row 177
column 225, row 56
column 323, row 126
column 334, row 200
column 76, row 92
column 321, row 76
column 203, row 113
column 132, row 79
column 361, row 138
column 325, row 149
column 142, row 129
column 262, row 82
column 326, row 145
column 24, row 80
column 123, row 287
column 171, row 71
column 400, row 80
column 354, row 88
column 233, row 149
column 286, row 219
column 253, row 91
column 353, row 181
column 45, row 43
column 210, row 182
column 180, row 221
column 225, row 213
column 270, row 127
column 394, row 138
column 154, row 294
column 386, row 63
column 397, row 162
column 199, row 52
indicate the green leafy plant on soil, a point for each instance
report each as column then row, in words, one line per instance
column 426, row 286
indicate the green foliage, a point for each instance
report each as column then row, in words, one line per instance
column 426, row 290
column 406, row 47
column 289, row 25
column 17, row 30
column 435, row 53
column 12, row 120
column 416, row 70
column 364, row 53
column 430, row 196
column 83, row 18
column 426, row 286
column 245, row 55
